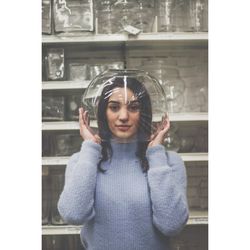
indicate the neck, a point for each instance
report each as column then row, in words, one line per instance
column 123, row 140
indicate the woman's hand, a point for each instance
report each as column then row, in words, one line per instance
column 159, row 135
column 85, row 131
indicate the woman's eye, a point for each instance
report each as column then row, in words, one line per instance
column 134, row 107
column 114, row 108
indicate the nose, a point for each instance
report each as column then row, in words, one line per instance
column 123, row 114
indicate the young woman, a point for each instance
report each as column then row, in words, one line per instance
column 126, row 191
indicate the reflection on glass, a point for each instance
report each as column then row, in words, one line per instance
column 172, row 141
column 73, row 104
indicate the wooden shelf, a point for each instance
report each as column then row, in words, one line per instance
column 198, row 218
column 195, row 218
column 73, row 125
column 121, row 38
column 57, row 85
column 63, row 160
column 59, row 230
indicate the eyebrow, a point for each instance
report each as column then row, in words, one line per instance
column 116, row 102
column 134, row 101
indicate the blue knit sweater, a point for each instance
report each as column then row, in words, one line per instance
column 124, row 208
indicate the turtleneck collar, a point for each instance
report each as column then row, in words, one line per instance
column 123, row 149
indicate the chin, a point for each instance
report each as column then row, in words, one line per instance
column 125, row 136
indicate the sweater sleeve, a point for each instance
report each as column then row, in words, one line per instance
column 167, row 183
column 76, row 202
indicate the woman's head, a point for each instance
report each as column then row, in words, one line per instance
column 124, row 110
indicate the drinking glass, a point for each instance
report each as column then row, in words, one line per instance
column 165, row 15
column 45, row 199
column 57, row 183
column 199, row 15
column 175, row 105
column 67, row 144
column 180, row 15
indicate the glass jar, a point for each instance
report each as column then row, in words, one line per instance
column 167, row 73
column 144, row 18
column 92, row 94
column 125, row 13
column 54, row 62
column 105, row 17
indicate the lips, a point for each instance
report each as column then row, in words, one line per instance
column 123, row 127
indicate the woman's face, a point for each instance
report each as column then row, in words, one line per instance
column 123, row 113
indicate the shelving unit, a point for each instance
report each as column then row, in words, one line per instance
column 119, row 38
column 126, row 45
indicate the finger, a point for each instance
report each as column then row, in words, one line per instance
column 85, row 118
column 80, row 116
column 98, row 138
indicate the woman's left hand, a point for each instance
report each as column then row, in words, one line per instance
column 159, row 135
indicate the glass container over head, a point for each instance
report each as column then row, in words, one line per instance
column 125, row 103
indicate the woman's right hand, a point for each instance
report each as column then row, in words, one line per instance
column 85, row 131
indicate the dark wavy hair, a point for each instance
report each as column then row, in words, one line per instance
column 145, row 121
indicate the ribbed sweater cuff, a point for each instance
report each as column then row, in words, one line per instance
column 156, row 156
